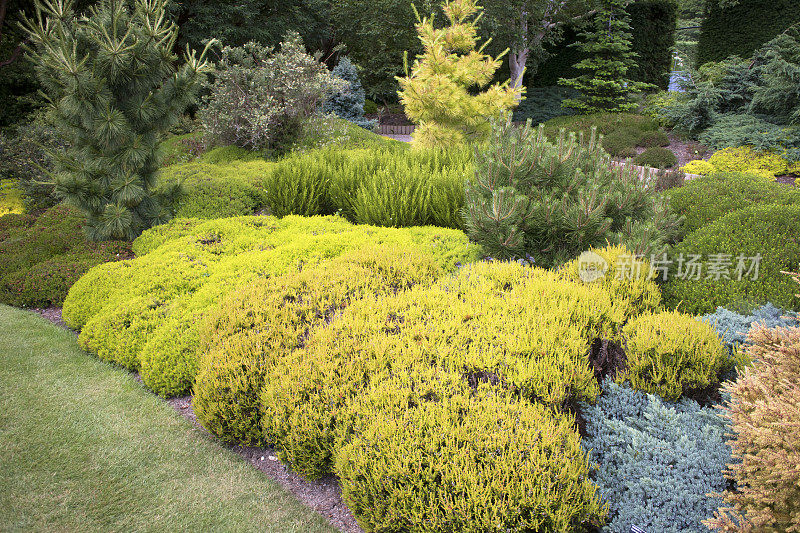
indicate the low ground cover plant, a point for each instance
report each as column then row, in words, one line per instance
column 744, row 159
column 145, row 313
column 622, row 132
column 658, row 462
column 41, row 257
column 734, row 328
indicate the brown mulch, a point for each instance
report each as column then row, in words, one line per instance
column 322, row 495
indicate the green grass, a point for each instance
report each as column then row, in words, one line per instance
column 85, row 448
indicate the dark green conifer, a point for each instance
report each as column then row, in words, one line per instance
column 113, row 89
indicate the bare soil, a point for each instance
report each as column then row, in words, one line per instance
column 322, row 495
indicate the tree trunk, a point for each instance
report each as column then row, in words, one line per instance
column 516, row 64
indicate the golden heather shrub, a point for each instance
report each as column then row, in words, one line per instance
column 258, row 325
column 433, row 451
column 520, row 327
column 669, row 353
column 624, row 277
column 764, row 411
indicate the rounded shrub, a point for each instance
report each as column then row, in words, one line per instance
column 626, row 277
column 767, row 233
column 653, row 138
column 744, row 159
column 429, row 442
column 670, row 354
column 257, row 326
column 656, row 158
column 705, row 199
column 519, row 326
column 698, row 166
column 621, row 143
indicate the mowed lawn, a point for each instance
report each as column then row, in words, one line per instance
column 84, row 448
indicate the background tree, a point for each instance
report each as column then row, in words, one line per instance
column 113, row 90
column 376, row 33
column 605, row 86
column 525, row 27
column 236, row 22
column 348, row 103
column 440, row 93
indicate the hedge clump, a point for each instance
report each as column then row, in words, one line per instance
column 218, row 190
column 766, row 231
column 143, row 313
column 656, row 461
column 671, row 354
column 656, row 157
column 523, row 328
column 705, row 199
column 434, row 453
column 41, row 257
column 744, row 159
column 763, row 410
column 263, row 322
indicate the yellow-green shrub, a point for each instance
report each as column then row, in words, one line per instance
column 744, row 159
column 258, row 325
column 523, row 327
column 142, row 313
column 763, row 410
column 669, row 354
column 626, row 278
column 433, row 453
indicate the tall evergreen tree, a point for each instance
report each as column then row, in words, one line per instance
column 607, row 47
column 441, row 93
column 113, row 90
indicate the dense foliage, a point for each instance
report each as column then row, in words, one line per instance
column 41, row 257
column 604, row 83
column 24, row 159
column 733, row 328
column 657, row 461
column 438, row 93
column 549, row 201
column 113, row 89
column 348, row 102
column 261, row 98
column 740, row 27
column 656, row 157
column 768, row 165
column 653, row 25
column 703, row 200
column 766, row 445
column 731, row 242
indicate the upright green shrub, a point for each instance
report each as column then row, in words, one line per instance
column 436, row 94
column 605, row 84
column 549, row 201
column 348, row 103
column 113, row 90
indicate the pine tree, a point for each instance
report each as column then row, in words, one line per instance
column 113, row 91
column 547, row 202
column 348, row 103
column 607, row 46
column 439, row 94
